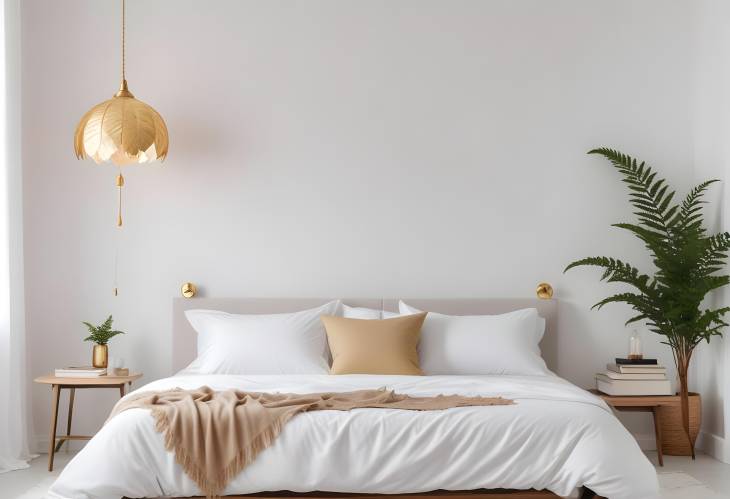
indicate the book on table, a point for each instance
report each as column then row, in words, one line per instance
column 636, row 369
column 635, row 376
column 637, row 362
column 80, row 372
column 611, row 386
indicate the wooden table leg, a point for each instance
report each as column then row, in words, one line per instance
column 121, row 390
column 658, row 434
column 54, row 419
column 72, row 393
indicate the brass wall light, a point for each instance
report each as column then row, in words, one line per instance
column 544, row 291
column 188, row 289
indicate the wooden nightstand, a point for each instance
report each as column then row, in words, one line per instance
column 58, row 384
column 642, row 403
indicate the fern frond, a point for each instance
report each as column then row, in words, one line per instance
column 616, row 271
column 719, row 243
column 692, row 204
column 636, row 318
column 638, row 302
column 107, row 325
column 649, row 195
column 655, row 241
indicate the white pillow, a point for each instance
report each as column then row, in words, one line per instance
column 293, row 343
column 360, row 312
column 366, row 313
column 481, row 344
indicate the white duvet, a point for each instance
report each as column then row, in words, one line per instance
column 556, row 437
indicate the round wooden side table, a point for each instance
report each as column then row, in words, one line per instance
column 60, row 383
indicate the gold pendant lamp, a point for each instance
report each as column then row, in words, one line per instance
column 122, row 130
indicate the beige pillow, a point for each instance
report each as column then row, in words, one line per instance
column 374, row 346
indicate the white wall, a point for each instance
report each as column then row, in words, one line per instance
column 331, row 148
column 711, row 129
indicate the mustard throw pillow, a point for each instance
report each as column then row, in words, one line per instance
column 374, row 346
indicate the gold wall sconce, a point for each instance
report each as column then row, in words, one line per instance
column 544, row 291
column 188, row 290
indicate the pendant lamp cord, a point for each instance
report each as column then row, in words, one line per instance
column 120, row 179
column 116, row 265
column 124, row 41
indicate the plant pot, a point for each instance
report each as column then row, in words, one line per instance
column 100, row 356
column 670, row 418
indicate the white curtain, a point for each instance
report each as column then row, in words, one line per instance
column 14, row 452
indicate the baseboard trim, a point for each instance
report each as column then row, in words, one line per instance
column 709, row 443
column 714, row 446
column 39, row 445
column 646, row 441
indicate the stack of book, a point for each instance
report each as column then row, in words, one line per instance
column 634, row 377
column 80, row 372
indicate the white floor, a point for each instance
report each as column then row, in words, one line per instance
column 703, row 478
column 681, row 478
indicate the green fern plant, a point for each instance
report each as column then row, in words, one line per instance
column 102, row 333
column 688, row 263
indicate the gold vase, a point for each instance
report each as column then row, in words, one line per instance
column 100, row 357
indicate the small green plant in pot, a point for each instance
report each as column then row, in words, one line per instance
column 688, row 263
column 101, row 335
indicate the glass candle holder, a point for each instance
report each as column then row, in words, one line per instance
column 635, row 345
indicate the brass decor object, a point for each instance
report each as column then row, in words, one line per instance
column 544, row 291
column 100, row 356
column 101, row 335
column 188, row 290
column 123, row 130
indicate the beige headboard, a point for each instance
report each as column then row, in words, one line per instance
column 184, row 338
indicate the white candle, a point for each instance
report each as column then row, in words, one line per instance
column 635, row 345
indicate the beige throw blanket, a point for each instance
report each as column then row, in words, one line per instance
column 214, row 435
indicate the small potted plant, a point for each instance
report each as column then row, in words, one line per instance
column 101, row 335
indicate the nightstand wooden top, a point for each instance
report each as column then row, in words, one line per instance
column 637, row 400
column 52, row 379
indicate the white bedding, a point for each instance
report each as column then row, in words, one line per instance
column 556, row 437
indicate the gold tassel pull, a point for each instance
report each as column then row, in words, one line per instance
column 120, row 184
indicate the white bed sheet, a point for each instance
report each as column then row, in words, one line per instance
column 556, row 437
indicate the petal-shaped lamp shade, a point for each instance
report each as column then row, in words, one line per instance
column 122, row 130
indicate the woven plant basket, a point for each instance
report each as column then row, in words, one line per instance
column 670, row 416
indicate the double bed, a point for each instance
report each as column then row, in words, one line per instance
column 556, row 437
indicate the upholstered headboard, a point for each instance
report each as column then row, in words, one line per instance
column 184, row 338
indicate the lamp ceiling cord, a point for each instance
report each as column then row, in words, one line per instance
column 124, row 40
